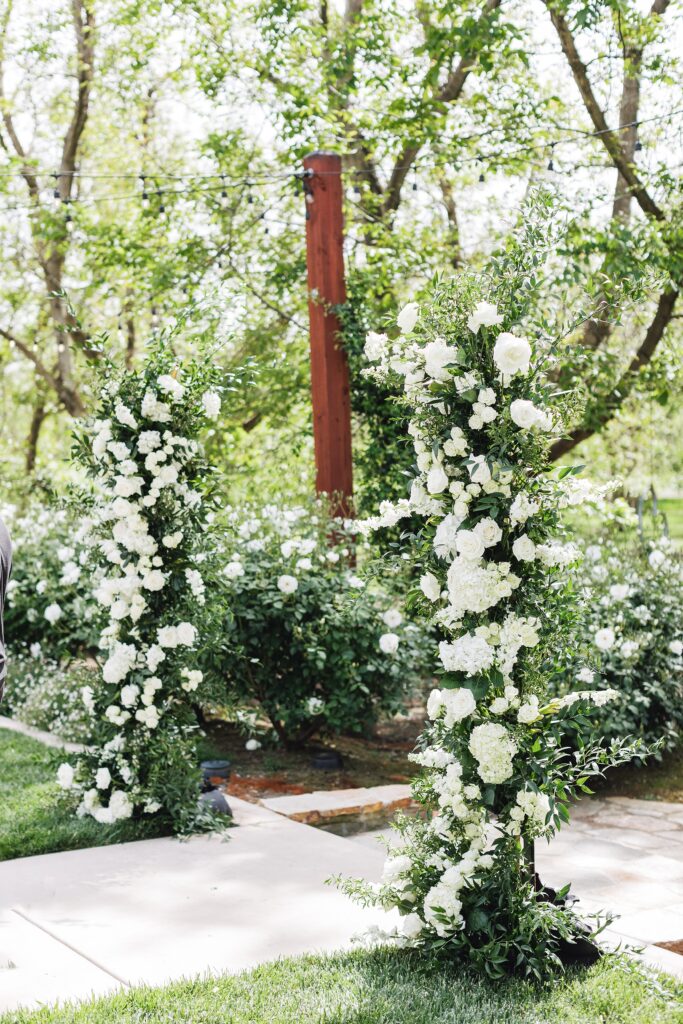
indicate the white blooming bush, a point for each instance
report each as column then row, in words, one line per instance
column 631, row 635
column 149, row 523
column 493, row 579
column 304, row 639
column 50, row 606
column 47, row 694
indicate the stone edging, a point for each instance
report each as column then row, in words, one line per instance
column 47, row 738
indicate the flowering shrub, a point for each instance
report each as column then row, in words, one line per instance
column 494, row 580
column 47, row 695
column 304, row 637
column 632, row 631
column 148, row 532
column 50, row 606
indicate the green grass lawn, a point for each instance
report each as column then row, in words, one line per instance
column 673, row 508
column 35, row 815
column 380, row 987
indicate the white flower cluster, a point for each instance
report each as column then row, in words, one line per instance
column 490, row 523
column 143, row 477
column 493, row 748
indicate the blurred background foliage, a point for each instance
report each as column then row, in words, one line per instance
column 148, row 159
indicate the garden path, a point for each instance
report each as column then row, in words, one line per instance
column 95, row 920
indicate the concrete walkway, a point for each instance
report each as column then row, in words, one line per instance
column 91, row 921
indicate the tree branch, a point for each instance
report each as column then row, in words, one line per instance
column 608, row 137
column 611, row 402
column 8, row 121
column 83, row 21
column 33, row 357
column 449, row 93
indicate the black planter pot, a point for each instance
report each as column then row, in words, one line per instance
column 328, row 761
column 215, row 771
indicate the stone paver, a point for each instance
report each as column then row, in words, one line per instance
column 48, row 738
column 325, row 805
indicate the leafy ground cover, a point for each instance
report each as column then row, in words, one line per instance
column 35, row 816
column 379, row 987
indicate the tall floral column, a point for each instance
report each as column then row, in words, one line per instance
column 491, row 566
column 148, row 540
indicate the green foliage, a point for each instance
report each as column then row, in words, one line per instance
column 37, row 817
column 382, row 455
column 298, row 631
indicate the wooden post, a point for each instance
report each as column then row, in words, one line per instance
column 329, row 367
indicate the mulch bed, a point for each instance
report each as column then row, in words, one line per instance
column 376, row 760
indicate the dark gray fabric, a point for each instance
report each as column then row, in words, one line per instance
column 5, row 570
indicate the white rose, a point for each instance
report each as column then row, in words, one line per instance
column 252, row 745
column 524, row 413
column 102, row 778
column 170, row 386
column 524, row 549
column 469, row 544
column 489, row 531
column 412, row 926
column 52, row 613
column 407, row 318
column 375, row 346
column 485, row 315
column 529, row 712
column 437, row 481
column 154, row 580
column 287, row 584
column 187, row 634
column 434, row 704
column 211, row 404
column 511, row 354
column 129, row 695
column 392, row 618
column 676, row 647
column 430, row 587
column 479, row 470
column 458, row 704
column 438, row 356
column 388, row 643
column 65, row 776
column 233, row 570
column 657, row 559
column 604, row 639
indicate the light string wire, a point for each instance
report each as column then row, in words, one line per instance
column 223, row 181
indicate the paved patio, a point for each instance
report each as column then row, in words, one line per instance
column 91, row 921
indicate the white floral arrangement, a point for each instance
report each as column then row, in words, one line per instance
column 148, row 535
column 492, row 566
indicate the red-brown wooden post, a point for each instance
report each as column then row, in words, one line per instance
column 329, row 368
